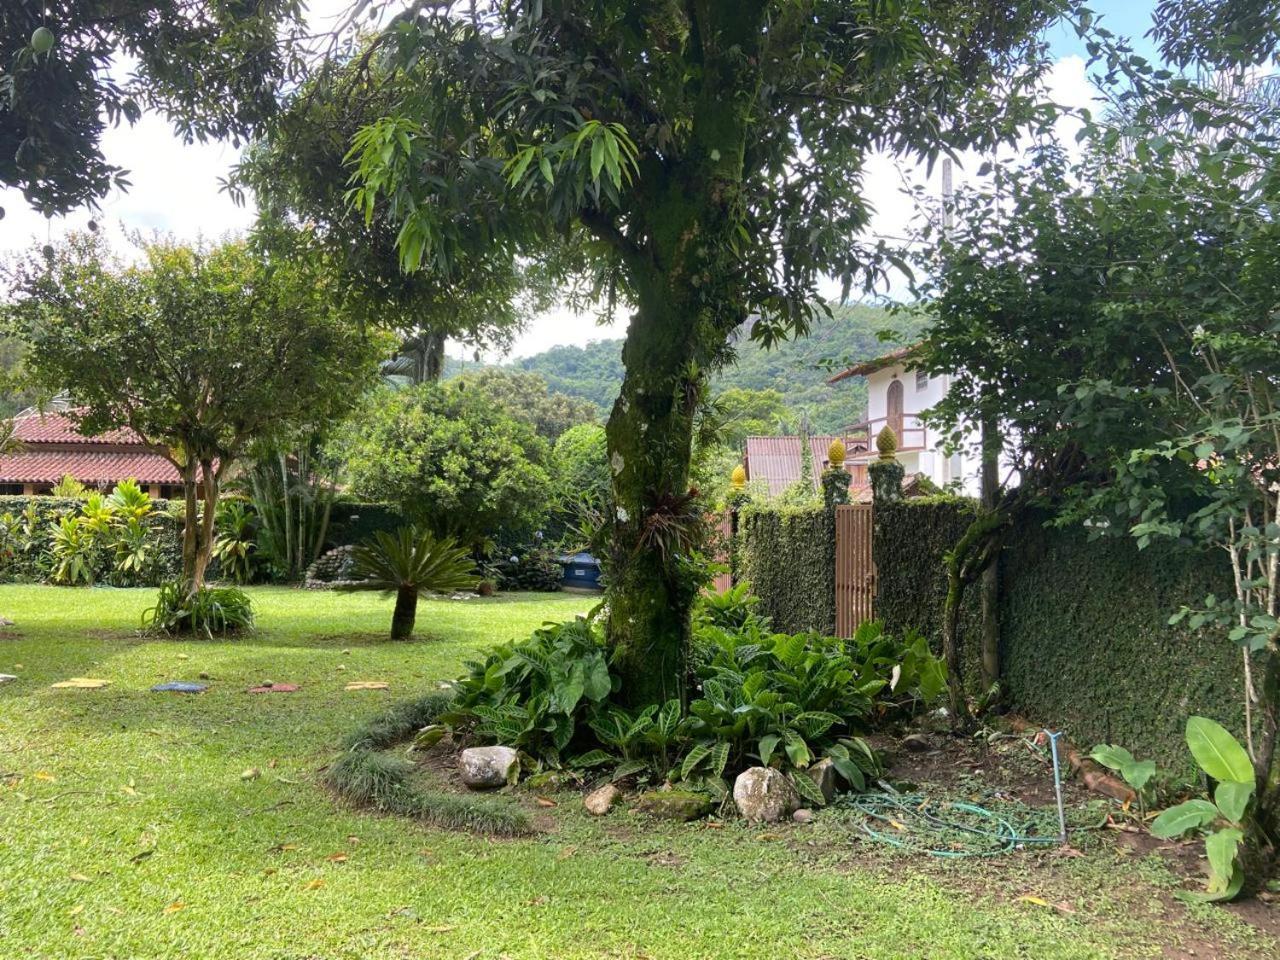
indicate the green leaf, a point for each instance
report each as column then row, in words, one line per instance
column 768, row 744
column 1112, row 757
column 719, row 758
column 1217, row 751
column 1176, row 821
column 1138, row 774
column 1221, row 849
column 693, row 758
column 592, row 758
column 808, row 789
column 1233, row 799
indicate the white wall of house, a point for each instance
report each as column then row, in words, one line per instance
column 919, row 393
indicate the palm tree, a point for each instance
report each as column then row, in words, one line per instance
column 408, row 563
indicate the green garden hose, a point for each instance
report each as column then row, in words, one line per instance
column 915, row 822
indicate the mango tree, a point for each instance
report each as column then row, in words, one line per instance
column 713, row 154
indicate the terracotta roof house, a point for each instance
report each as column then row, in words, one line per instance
column 52, row 447
column 777, row 460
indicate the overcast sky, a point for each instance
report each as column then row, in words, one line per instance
column 175, row 185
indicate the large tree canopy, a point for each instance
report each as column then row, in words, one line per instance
column 713, row 152
column 201, row 351
column 69, row 68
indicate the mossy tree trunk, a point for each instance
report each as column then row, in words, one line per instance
column 685, row 279
column 405, row 614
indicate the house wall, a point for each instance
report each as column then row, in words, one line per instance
column 932, row 461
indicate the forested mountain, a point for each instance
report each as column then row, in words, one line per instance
column 798, row 370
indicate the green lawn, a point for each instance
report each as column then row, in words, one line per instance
column 127, row 831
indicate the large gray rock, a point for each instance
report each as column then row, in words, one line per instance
column 484, row 768
column 764, row 795
column 601, row 801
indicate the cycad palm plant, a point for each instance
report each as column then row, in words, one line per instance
column 408, row 563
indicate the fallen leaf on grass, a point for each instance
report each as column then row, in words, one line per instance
column 315, row 884
column 128, row 790
column 253, row 773
column 566, row 853
column 713, row 825
column 338, row 857
column 544, row 801
column 175, row 907
column 368, row 685
column 76, row 910
column 80, row 878
column 769, row 836
column 142, row 855
column 46, row 776
column 441, row 929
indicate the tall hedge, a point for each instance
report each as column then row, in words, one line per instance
column 351, row 522
column 910, row 539
column 33, row 565
column 1085, row 642
column 787, row 554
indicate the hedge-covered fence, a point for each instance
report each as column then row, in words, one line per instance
column 27, row 527
column 787, row 554
column 1085, row 642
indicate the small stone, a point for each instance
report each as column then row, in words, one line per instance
column 764, row 795
column 680, row 805
column 916, row 743
column 824, row 776
column 803, row 815
column 484, row 768
column 601, row 801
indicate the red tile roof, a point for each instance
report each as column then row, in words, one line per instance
column 776, row 460
column 53, row 447
column 52, row 427
column 88, row 466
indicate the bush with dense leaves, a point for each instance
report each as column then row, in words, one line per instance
column 756, row 698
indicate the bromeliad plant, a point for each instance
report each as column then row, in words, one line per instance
column 406, row 564
column 1225, row 762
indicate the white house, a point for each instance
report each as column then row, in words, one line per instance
column 896, row 397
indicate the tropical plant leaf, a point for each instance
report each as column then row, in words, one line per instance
column 1217, row 751
column 1221, row 847
column 1176, row 821
column 592, row 758
column 1233, row 799
column 693, row 758
column 808, row 789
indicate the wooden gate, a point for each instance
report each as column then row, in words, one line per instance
column 855, row 568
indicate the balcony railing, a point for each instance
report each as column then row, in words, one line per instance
column 908, row 427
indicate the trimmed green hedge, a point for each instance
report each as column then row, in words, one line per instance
column 23, row 562
column 1086, row 642
column 351, row 522
column 1084, row 633
column 788, row 556
column 910, row 539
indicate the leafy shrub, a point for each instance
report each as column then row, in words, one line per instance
column 534, row 569
column 534, row 694
column 1221, row 757
column 782, row 700
column 211, row 611
column 235, row 547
